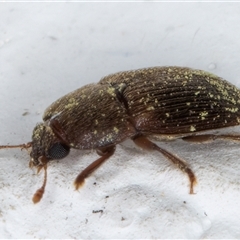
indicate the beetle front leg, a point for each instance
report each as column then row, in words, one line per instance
column 144, row 143
column 105, row 153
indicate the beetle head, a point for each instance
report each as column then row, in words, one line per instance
column 46, row 146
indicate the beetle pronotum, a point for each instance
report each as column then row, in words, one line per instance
column 165, row 103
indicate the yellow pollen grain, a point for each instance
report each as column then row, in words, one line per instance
column 203, row 114
column 192, row 129
column 71, row 103
column 111, row 91
column 233, row 110
column 116, row 130
column 150, row 108
column 233, row 101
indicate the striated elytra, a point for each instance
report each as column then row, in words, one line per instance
column 164, row 103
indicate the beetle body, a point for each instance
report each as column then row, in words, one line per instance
column 168, row 102
column 161, row 102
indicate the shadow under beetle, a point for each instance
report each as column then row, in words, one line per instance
column 163, row 103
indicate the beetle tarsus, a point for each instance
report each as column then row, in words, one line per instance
column 192, row 179
column 144, row 143
column 105, row 154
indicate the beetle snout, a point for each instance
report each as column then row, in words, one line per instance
column 35, row 160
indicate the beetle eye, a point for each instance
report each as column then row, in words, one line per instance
column 58, row 151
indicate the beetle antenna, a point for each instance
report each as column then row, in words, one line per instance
column 39, row 193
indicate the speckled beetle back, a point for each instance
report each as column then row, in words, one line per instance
column 173, row 100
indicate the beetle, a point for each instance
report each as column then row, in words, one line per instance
column 162, row 103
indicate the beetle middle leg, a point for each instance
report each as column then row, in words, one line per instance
column 105, row 153
column 144, row 143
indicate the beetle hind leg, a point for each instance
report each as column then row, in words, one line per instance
column 144, row 143
column 105, row 153
column 211, row 137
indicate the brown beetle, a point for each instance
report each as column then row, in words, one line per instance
column 164, row 103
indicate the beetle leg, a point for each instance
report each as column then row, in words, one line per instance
column 39, row 193
column 144, row 143
column 210, row 137
column 105, row 153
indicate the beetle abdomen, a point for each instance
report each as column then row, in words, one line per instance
column 172, row 100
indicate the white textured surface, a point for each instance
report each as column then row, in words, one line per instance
column 49, row 49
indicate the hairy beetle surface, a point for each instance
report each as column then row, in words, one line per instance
column 164, row 103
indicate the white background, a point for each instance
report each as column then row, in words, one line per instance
column 50, row 49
